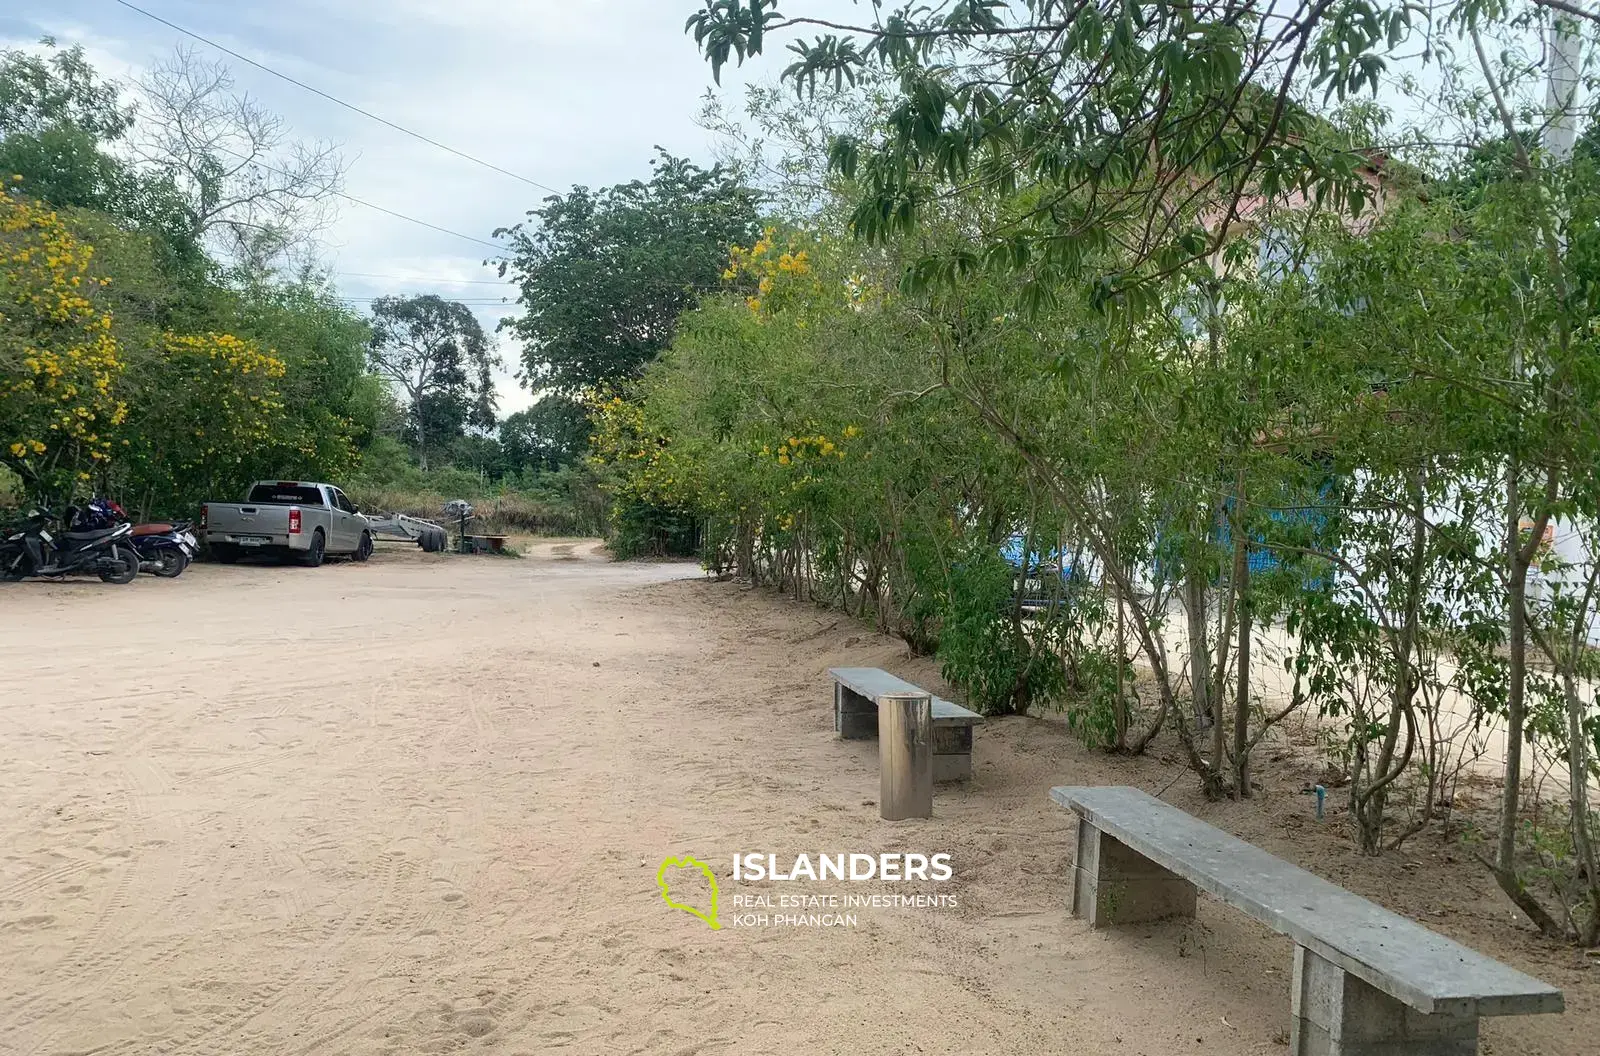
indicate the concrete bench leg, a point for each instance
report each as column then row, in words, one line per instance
column 1338, row 1014
column 952, row 753
column 1114, row 884
column 855, row 718
column 905, row 758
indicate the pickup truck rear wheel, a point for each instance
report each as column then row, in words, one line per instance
column 319, row 547
column 225, row 553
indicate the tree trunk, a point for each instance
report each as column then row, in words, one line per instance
column 1119, row 714
column 1578, row 803
column 1241, row 567
column 1194, row 600
column 422, row 435
column 1516, row 642
column 1241, row 703
column 1519, row 556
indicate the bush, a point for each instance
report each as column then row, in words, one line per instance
column 11, row 496
column 639, row 529
column 985, row 650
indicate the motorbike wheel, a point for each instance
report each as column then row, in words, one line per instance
column 170, row 563
column 126, row 561
column 14, row 568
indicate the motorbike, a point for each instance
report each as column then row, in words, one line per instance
column 164, row 550
column 93, row 544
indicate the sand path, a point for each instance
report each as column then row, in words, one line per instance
column 418, row 806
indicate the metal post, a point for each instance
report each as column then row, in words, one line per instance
column 905, row 757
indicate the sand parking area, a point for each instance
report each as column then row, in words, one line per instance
column 418, row 805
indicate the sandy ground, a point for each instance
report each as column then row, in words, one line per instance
column 418, row 806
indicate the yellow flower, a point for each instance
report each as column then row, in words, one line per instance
column 18, row 450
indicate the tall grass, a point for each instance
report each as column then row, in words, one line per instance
column 505, row 514
column 560, row 502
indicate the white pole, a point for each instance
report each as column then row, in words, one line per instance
column 1562, row 86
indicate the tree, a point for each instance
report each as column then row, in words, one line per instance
column 554, row 432
column 436, row 353
column 1139, row 129
column 59, row 360
column 249, row 190
column 64, row 130
column 604, row 275
column 56, row 118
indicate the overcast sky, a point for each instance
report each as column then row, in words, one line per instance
column 559, row 91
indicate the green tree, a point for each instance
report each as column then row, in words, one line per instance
column 604, row 275
column 60, row 125
column 435, row 352
column 1138, row 130
column 554, row 432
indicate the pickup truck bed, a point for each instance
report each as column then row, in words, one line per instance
column 297, row 519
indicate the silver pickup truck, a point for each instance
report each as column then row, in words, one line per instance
column 292, row 518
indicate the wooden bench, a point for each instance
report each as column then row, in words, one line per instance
column 855, row 717
column 483, row 544
column 1367, row 982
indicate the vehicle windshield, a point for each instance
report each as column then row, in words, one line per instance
column 285, row 495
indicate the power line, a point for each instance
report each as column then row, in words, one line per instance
column 424, row 278
column 334, row 99
column 458, row 300
column 414, row 220
column 358, row 201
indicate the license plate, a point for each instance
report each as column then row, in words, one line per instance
column 251, row 541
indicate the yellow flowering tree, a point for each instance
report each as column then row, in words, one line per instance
column 651, row 484
column 205, row 405
column 59, row 360
column 780, row 266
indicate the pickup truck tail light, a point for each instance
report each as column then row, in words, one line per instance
column 294, row 522
column 205, row 513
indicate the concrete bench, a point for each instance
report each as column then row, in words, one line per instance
column 855, row 717
column 1367, row 982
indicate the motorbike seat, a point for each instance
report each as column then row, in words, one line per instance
column 152, row 529
column 89, row 537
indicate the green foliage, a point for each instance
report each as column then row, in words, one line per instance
column 638, row 529
column 1000, row 663
column 1069, row 103
column 554, row 432
column 605, row 274
column 435, row 352
column 212, row 377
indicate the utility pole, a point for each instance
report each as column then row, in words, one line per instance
column 1562, row 87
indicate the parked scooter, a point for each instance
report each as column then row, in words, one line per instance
column 165, row 550
column 93, row 544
